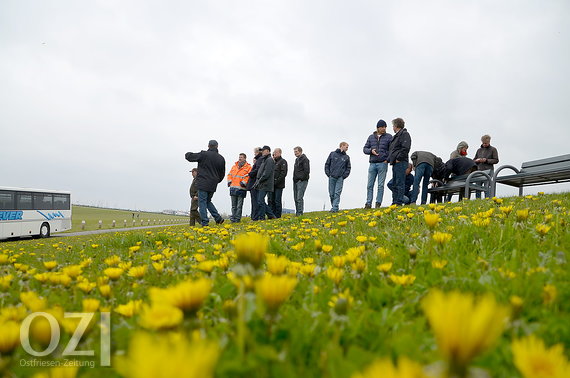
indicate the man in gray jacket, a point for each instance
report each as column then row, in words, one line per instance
column 265, row 183
column 423, row 163
column 337, row 168
column 486, row 157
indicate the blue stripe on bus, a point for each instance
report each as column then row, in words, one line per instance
column 11, row 215
column 53, row 215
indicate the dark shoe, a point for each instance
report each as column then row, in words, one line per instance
column 378, row 204
column 220, row 221
column 367, row 206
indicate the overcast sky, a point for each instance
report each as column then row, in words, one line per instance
column 104, row 98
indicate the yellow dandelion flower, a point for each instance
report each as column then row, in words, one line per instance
column 105, row 290
column 339, row 261
column 130, row 308
column 113, row 273
column 9, row 336
column 32, row 301
column 522, row 215
column 327, row 248
column 147, row 355
column 113, row 260
column 383, row 252
column 431, row 219
column 277, row 264
column 90, row 304
column 134, row 248
column 542, row 229
column 404, row 279
column 333, row 232
column 137, row 271
column 308, row 270
column 49, row 265
column 4, row 259
column 384, row 268
column 361, row 238
column 335, row 274
column 534, row 360
column 438, row 264
column 274, row 290
column 358, row 265
column 187, row 295
column 441, row 237
column 5, row 281
column 506, row 209
column 160, row 316
column 73, row 271
column 207, row 266
column 251, row 248
column 159, row 267
column 464, row 326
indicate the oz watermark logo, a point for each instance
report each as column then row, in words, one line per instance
column 71, row 347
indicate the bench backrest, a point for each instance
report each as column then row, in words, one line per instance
column 553, row 163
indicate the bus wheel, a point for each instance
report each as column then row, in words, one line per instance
column 44, row 230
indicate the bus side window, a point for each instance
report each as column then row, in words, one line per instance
column 43, row 201
column 61, row 202
column 7, row 201
column 24, row 201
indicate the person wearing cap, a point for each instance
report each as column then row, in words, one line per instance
column 275, row 198
column 237, row 182
column 398, row 159
column 301, row 172
column 486, row 157
column 265, row 183
column 194, row 214
column 377, row 147
column 337, row 169
column 211, row 171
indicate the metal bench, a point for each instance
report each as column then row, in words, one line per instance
column 537, row 172
column 475, row 181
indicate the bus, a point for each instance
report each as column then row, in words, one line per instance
column 33, row 212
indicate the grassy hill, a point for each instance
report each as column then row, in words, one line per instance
column 473, row 289
column 92, row 216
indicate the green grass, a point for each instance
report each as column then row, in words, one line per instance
column 507, row 257
column 92, row 216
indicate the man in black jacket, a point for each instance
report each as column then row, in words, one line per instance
column 265, row 182
column 250, row 184
column 211, row 171
column 337, row 169
column 398, row 159
column 275, row 198
column 301, row 172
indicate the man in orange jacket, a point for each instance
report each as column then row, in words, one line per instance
column 237, row 182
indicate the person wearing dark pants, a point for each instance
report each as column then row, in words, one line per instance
column 337, row 169
column 194, row 213
column 264, row 183
column 275, row 198
column 301, row 172
column 408, row 192
column 398, row 158
column 486, row 157
column 423, row 162
column 251, row 182
column 237, row 182
column 211, row 171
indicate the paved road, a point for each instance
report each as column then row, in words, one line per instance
column 94, row 232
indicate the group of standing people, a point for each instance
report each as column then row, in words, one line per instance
column 265, row 178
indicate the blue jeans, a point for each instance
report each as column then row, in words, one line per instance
column 275, row 202
column 254, row 206
column 237, row 205
column 335, row 189
column 380, row 170
column 423, row 172
column 399, row 177
column 263, row 209
column 299, row 188
column 204, row 205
